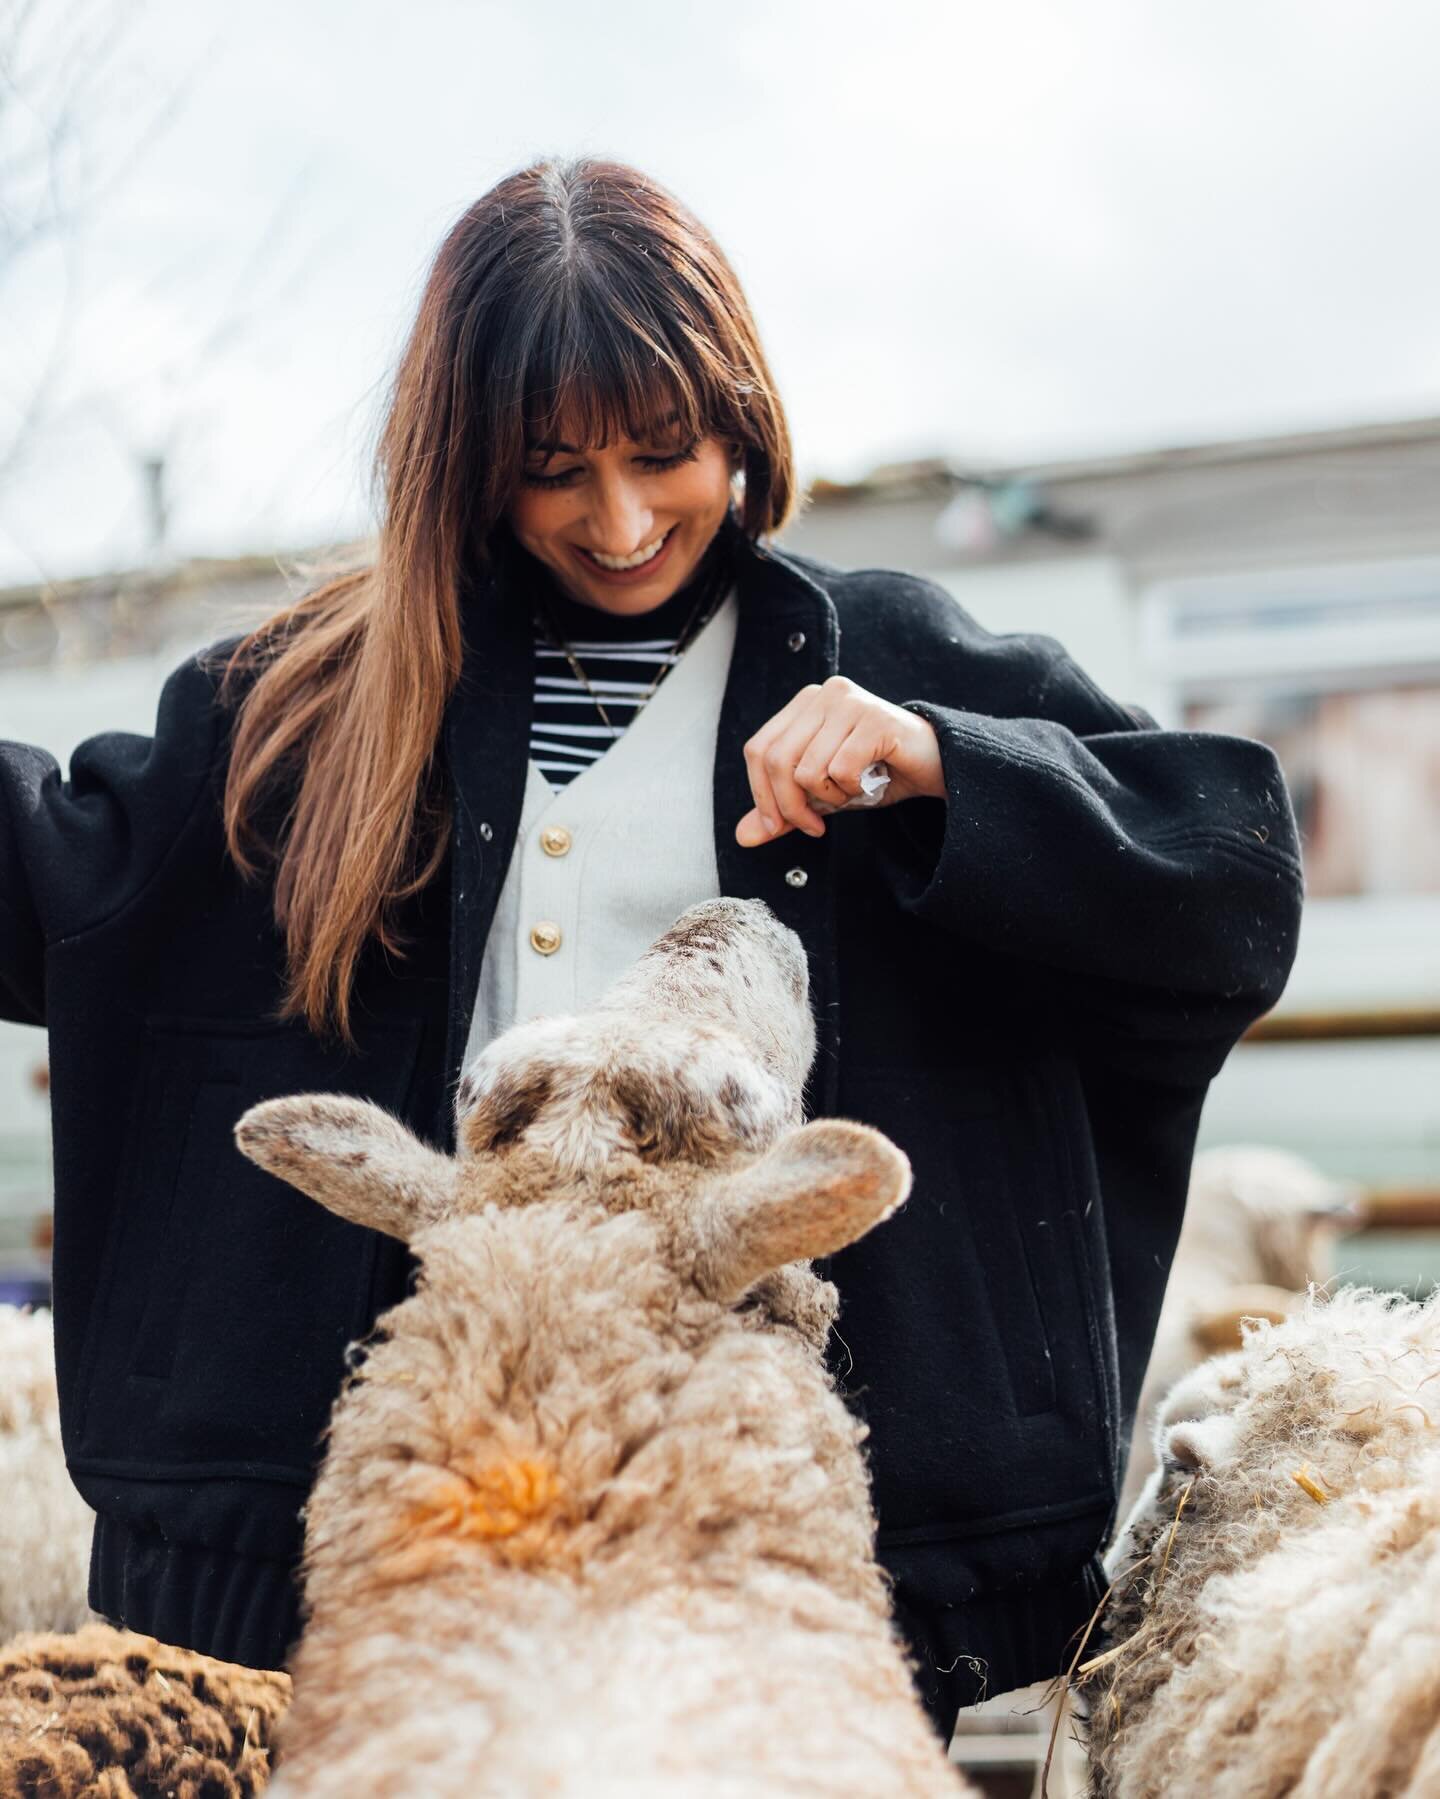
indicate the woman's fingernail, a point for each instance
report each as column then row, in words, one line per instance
column 770, row 825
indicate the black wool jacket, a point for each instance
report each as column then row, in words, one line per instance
column 1028, row 985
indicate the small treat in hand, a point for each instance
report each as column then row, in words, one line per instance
column 874, row 779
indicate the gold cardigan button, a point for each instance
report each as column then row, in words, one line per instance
column 545, row 937
column 555, row 840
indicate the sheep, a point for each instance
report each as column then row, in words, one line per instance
column 45, row 1526
column 110, row 1714
column 1274, row 1626
column 591, row 1516
column 1259, row 1226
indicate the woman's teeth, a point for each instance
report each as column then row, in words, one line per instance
column 619, row 562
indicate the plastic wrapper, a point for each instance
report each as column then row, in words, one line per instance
column 874, row 780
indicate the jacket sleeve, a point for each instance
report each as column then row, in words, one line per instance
column 75, row 852
column 1149, row 880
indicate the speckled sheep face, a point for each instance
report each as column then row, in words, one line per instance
column 695, row 1055
column 678, row 1095
column 731, row 964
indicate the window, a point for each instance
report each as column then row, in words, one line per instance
column 1338, row 669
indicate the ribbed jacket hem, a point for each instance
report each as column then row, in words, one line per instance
column 238, row 1608
column 243, row 1608
column 996, row 1642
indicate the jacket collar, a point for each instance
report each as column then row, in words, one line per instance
column 786, row 637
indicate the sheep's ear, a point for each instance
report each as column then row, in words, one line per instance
column 819, row 1188
column 1199, row 1444
column 357, row 1160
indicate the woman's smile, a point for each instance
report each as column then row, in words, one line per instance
column 645, row 563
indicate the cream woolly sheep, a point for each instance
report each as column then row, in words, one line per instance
column 109, row 1714
column 592, row 1518
column 1259, row 1227
column 45, row 1526
column 1275, row 1627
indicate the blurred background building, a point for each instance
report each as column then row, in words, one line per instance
column 1286, row 588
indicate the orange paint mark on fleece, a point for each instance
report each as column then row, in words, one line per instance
column 511, row 1504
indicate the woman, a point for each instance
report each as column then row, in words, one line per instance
column 376, row 830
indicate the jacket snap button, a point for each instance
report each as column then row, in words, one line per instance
column 555, row 840
column 796, row 877
column 545, row 938
column 486, row 832
column 796, row 640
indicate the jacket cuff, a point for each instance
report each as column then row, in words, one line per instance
column 911, row 835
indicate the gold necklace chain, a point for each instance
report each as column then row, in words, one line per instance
column 556, row 639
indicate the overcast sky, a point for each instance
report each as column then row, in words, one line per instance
column 996, row 232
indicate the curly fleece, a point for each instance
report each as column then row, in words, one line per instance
column 108, row 1714
column 1276, row 1623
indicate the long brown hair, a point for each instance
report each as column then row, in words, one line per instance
column 576, row 288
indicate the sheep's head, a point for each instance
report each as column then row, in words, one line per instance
column 697, row 1053
column 678, row 1093
column 1334, row 1399
column 1269, row 1214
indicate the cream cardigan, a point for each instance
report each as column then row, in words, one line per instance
column 602, row 866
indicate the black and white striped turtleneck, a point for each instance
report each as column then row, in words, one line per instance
column 621, row 657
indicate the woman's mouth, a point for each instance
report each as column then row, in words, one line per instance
column 639, row 567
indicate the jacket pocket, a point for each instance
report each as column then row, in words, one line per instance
column 229, row 1297
column 1070, row 1247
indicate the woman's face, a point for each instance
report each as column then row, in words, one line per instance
column 624, row 527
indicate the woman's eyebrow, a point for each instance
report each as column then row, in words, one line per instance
column 548, row 447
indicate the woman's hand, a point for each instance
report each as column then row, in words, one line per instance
column 815, row 749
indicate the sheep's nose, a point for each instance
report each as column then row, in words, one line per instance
column 749, row 926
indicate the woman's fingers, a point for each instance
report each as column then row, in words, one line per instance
column 759, row 762
column 779, row 762
column 752, row 830
column 852, row 756
column 816, row 772
column 815, row 749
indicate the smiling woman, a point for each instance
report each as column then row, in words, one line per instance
column 580, row 690
column 620, row 524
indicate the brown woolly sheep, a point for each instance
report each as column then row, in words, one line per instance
column 1275, row 1624
column 45, row 1526
column 107, row 1714
column 1259, row 1227
column 592, row 1518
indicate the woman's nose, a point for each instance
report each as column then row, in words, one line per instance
column 623, row 520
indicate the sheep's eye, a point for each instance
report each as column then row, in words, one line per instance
column 503, row 1114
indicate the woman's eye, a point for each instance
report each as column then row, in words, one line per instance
column 688, row 454
column 533, row 477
